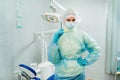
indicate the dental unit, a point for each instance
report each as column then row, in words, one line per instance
column 45, row 69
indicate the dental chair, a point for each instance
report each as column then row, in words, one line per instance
column 41, row 73
column 28, row 72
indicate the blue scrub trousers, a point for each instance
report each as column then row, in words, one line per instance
column 78, row 77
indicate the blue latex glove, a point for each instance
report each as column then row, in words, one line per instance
column 57, row 35
column 82, row 62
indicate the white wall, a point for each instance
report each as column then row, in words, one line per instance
column 119, row 26
column 119, row 30
column 2, row 44
column 17, row 46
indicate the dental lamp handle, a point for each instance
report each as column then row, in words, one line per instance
column 56, row 3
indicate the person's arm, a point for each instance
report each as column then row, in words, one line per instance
column 92, row 47
column 53, row 51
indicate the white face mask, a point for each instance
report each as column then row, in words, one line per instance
column 70, row 25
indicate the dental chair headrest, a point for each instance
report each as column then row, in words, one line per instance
column 28, row 70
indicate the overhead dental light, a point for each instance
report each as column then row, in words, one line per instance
column 53, row 17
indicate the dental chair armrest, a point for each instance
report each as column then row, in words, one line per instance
column 28, row 70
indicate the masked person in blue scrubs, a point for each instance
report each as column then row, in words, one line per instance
column 67, row 47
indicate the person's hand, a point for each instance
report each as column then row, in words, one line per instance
column 57, row 35
column 82, row 62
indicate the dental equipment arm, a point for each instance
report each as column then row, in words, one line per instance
column 53, row 2
column 53, row 17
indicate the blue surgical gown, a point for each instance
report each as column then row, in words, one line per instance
column 70, row 47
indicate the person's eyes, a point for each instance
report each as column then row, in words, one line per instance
column 71, row 20
column 68, row 19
